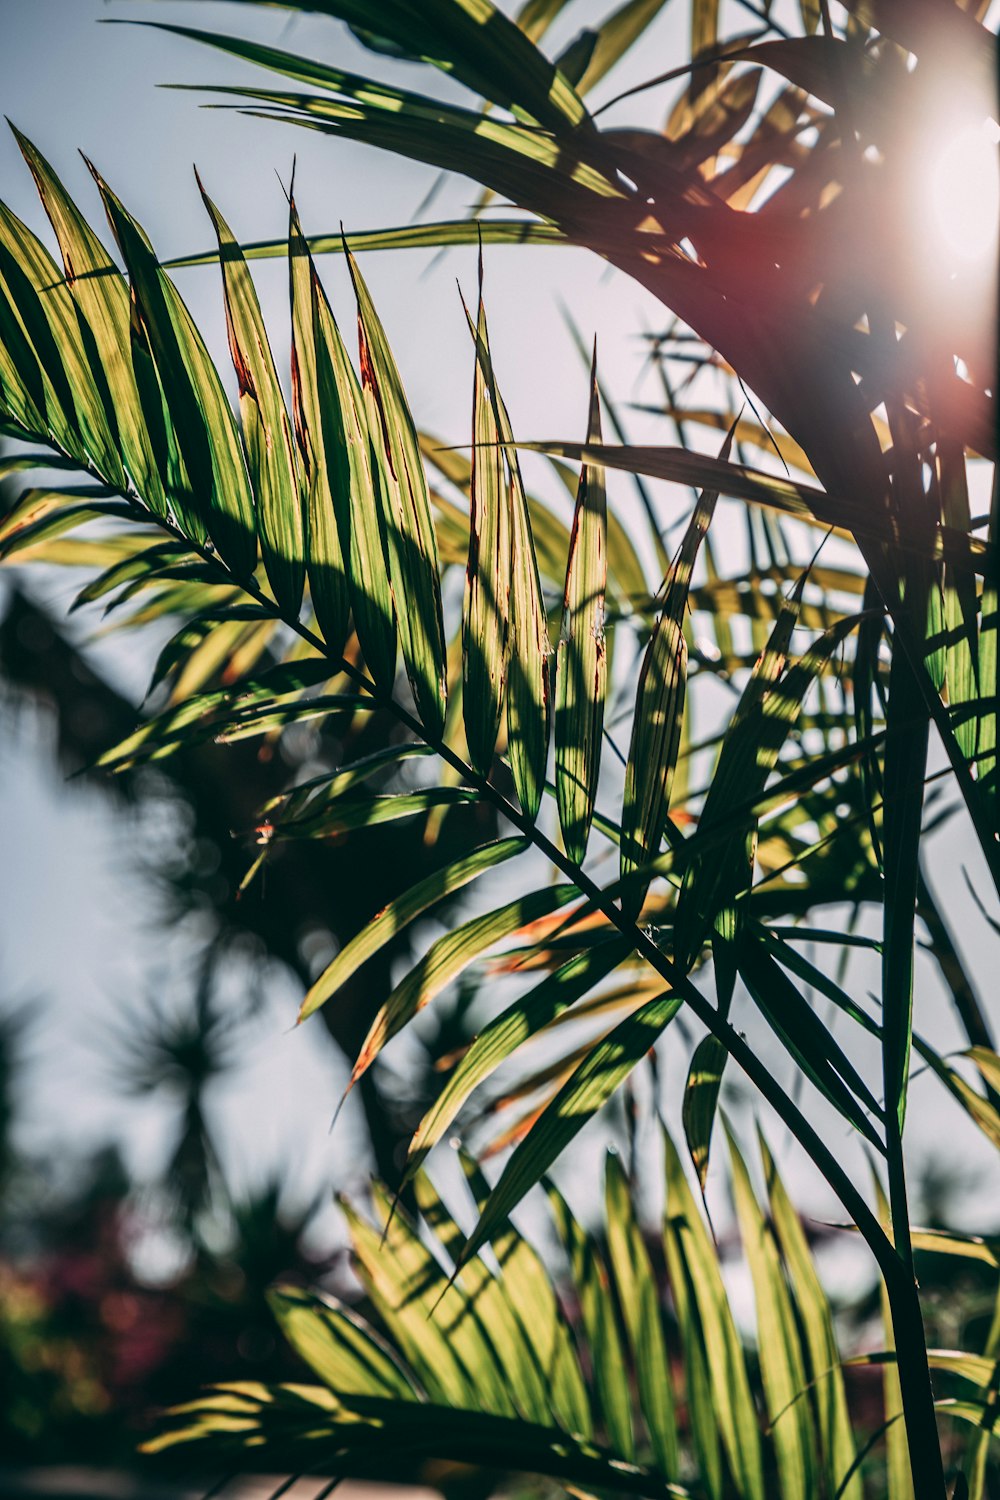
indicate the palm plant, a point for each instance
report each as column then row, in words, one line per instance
column 499, row 1367
column 316, row 536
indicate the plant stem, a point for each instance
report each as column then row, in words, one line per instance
column 916, row 1391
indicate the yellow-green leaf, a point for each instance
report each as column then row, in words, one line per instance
column 508, row 1031
column 833, row 1421
column 581, row 663
column 445, row 960
column 778, row 1347
column 659, row 707
column 101, row 294
column 324, row 468
column 701, row 1098
column 267, row 431
column 206, row 432
column 604, row 1067
column 487, row 579
column 401, row 912
column 414, row 569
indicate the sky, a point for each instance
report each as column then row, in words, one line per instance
column 76, row 929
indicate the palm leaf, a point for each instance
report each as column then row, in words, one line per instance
column 205, row 431
column 581, row 660
column 267, row 432
column 413, row 560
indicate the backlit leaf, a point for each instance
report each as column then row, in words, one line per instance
column 486, row 616
column 400, row 913
column 581, row 660
column 206, row 433
column 701, row 1099
column 267, row 432
column 414, row 568
column 445, row 960
column 606, row 1065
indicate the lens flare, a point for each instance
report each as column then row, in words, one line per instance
column 964, row 192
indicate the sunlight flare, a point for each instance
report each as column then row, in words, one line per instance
column 964, row 192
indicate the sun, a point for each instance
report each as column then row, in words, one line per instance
column 963, row 193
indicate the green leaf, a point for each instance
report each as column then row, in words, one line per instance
column 25, row 401
column 525, row 164
column 326, row 787
column 414, row 569
column 39, row 514
column 979, row 1443
column 530, row 1292
column 507, row 1361
column 614, row 37
column 324, row 469
column 778, row 1347
column 17, row 463
column 988, row 1063
column 146, row 564
column 815, row 1314
column 987, row 774
column 606, row 1065
column 219, row 497
column 653, row 751
column 906, row 748
column 399, row 913
column 731, row 1397
column 181, row 650
column 246, row 724
column 811, row 1044
column 960, row 606
column 811, row 12
column 719, row 867
column 701, row 1100
column 702, row 1418
column 714, row 878
column 363, row 810
column 335, row 1343
column 965, row 1246
column 102, row 297
column 469, row 39
column 355, row 492
column 549, row 535
column 509, row 1030
column 704, row 37
column 900, row 1479
column 474, row 1310
column 485, row 619
column 979, row 1109
column 612, row 1404
column 267, row 432
column 529, row 648
column 203, row 711
column 659, row 707
column 447, row 957
column 980, row 1414
column 53, row 336
column 788, row 496
column 406, row 1281
column 639, row 1299
column 581, row 660
column 443, row 234
column 975, row 1368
